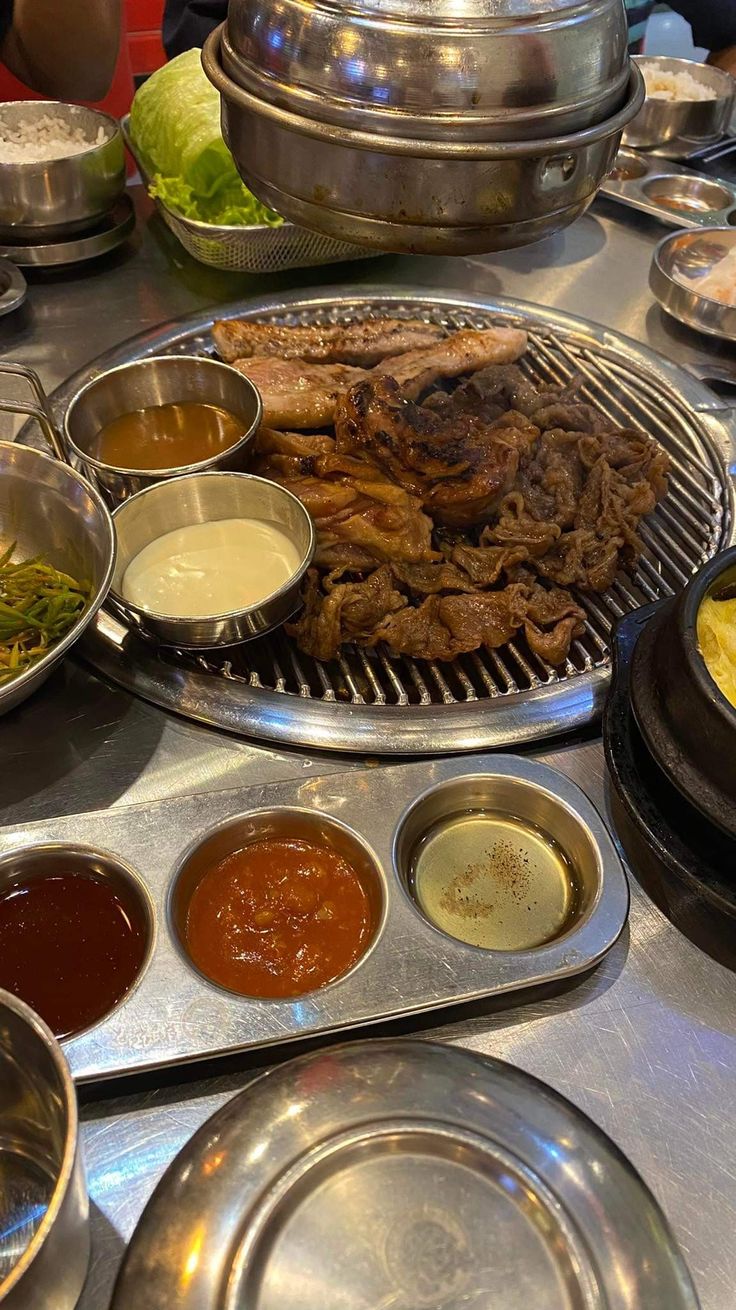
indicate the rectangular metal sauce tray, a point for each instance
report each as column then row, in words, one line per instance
column 676, row 196
column 174, row 1015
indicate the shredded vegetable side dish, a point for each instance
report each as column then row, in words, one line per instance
column 38, row 606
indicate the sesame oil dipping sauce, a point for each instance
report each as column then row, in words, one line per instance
column 171, row 436
column 493, row 880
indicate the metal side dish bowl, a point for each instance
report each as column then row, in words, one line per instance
column 44, row 1234
column 208, row 498
column 44, row 198
column 683, row 124
column 681, row 263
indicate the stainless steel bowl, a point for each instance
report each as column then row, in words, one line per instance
column 44, row 1225
column 159, row 380
column 687, row 124
column 679, row 263
column 57, row 196
column 204, row 498
column 451, row 196
column 49, row 509
column 476, row 70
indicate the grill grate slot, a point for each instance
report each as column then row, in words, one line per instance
column 686, row 529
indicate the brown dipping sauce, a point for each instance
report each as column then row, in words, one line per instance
column 278, row 918
column 167, row 436
column 70, row 946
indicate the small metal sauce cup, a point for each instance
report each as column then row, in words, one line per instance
column 44, row 1222
column 158, row 380
column 205, row 498
column 47, row 197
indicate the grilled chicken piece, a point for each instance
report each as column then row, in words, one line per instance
column 362, row 344
column 296, row 394
column 459, row 467
column 361, row 518
column 298, row 445
column 463, row 352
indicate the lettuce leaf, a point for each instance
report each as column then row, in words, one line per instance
column 233, row 206
column 175, row 127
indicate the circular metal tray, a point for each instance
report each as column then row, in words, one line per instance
column 369, row 702
column 402, row 1175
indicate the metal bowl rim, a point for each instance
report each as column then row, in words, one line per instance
column 230, row 614
column 108, row 119
column 233, row 94
column 61, row 647
column 66, row 1169
column 203, row 465
column 299, row 810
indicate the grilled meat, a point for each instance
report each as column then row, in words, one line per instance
column 344, row 611
column 361, row 518
column 296, row 394
column 459, row 467
column 362, row 344
column 463, row 352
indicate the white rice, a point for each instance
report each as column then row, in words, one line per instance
column 719, row 284
column 32, row 141
column 662, row 85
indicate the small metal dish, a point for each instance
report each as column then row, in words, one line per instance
column 402, row 1174
column 45, row 859
column 506, row 863
column 204, row 498
column 687, row 195
column 679, row 262
column 49, row 509
column 13, row 287
column 627, row 166
column 157, row 380
column 89, row 242
column 53, row 198
column 44, row 1223
column 281, row 824
column 697, row 122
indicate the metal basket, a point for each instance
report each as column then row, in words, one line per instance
column 258, row 249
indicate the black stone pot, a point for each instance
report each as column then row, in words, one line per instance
column 686, row 722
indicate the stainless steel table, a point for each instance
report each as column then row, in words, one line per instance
column 647, row 1043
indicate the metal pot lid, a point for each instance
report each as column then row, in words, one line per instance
column 402, row 1175
column 511, row 66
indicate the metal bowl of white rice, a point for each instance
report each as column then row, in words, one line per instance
column 687, row 106
column 61, row 168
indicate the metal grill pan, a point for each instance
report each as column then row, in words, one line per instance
column 368, row 701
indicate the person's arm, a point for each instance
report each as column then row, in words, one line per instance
column 65, row 49
column 714, row 27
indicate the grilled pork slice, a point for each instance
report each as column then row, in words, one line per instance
column 296, row 394
column 463, row 352
column 460, row 467
column 361, row 517
column 362, row 343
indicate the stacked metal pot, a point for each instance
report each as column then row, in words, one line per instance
column 435, row 126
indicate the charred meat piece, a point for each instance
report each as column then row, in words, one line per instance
column 361, row 518
column 463, row 352
column 502, row 388
column 459, row 469
column 294, row 445
column 296, row 394
column 344, row 611
column 443, row 627
column 468, row 569
column 362, row 344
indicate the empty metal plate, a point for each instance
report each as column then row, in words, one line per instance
column 402, row 1175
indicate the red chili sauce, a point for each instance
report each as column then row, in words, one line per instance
column 70, row 946
column 278, row 918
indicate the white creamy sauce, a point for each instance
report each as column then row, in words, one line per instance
column 206, row 569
